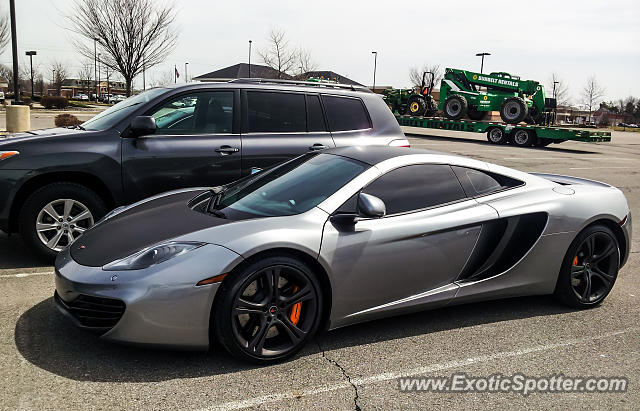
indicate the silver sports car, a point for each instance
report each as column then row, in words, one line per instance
column 338, row 237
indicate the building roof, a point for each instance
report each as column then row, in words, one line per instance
column 241, row 70
column 330, row 75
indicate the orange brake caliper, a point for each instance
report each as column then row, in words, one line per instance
column 575, row 260
column 294, row 315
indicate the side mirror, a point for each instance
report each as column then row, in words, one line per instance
column 371, row 206
column 143, row 125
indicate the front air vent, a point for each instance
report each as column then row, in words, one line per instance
column 98, row 313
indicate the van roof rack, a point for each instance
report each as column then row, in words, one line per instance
column 300, row 83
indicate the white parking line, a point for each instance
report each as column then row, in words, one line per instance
column 22, row 275
column 377, row 378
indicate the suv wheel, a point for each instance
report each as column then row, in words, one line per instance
column 55, row 215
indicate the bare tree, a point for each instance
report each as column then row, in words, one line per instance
column 5, row 30
column 58, row 75
column 561, row 89
column 280, row 56
column 591, row 93
column 85, row 75
column 415, row 74
column 161, row 79
column 131, row 34
column 39, row 84
column 305, row 62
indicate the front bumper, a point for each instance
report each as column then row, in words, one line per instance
column 159, row 306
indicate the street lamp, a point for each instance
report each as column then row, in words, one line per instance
column 186, row 78
column 482, row 62
column 31, row 53
column 14, row 52
column 99, row 82
column 555, row 98
column 375, row 66
column 250, row 58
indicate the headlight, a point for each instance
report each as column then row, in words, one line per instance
column 152, row 255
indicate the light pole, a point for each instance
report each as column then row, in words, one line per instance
column 95, row 67
column 53, row 80
column 186, row 78
column 555, row 109
column 31, row 53
column 375, row 66
column 144, row 83
column 99, row 85
column 250, row 58
column 482, row 61
column 14, row 52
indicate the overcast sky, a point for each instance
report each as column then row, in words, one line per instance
column 532, row 39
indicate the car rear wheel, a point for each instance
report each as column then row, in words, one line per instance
column 268, row 310
column 589, row 269
column 55, row 215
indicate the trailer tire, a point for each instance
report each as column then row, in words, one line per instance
column 496, row 135
column 416, row 106
column 523, row 138
column 513, row 110
column 474, row 114
column 455, row 107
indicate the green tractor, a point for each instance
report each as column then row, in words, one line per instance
column 517, row 100
column 407, row 101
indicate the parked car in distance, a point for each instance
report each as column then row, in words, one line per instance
column 56, row 183
column 1, row 97
column 82, row 97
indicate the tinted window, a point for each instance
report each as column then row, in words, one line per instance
column 476, row 182
column 345, row 113
column 209, row 112
column 416, row 187
column 315, row 118
column 276, row 112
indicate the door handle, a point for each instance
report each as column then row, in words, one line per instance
column 317, row 146
column 224, row 150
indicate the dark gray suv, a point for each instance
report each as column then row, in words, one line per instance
column 56, row 183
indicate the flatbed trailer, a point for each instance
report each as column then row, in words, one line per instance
column 522, row 135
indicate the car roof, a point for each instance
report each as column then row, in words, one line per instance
column 373, row 155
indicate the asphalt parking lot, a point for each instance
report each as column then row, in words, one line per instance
column 47, row 363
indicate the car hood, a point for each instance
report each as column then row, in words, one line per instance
column 39, row 134
column 147, row 223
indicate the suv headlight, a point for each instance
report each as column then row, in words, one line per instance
column 152, row 255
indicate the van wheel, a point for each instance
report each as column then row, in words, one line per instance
column 55, row 215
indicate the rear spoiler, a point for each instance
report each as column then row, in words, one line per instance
column 569, row 180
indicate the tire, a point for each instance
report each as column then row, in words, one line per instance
column 513, row 110
column 477, row 115
column 58, row 196
column 496, row 135
column 455, row 107
column 416, row 106
column 599, row 266
column 522, row 138
column 268, row 332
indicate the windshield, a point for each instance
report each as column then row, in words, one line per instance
column 118, row 112
column 291, row 188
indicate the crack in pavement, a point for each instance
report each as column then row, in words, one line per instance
column 344, row 372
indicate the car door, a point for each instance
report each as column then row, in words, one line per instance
column 413, row 255
column 279, row 125
column 197, row 143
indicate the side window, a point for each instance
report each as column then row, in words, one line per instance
column 346, row 113
column 315, row 118
column 276, row 112
column 415, row 187
column 477, row 183
column 209, row 112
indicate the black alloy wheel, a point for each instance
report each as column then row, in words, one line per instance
column 269, row 310
column 590, row 268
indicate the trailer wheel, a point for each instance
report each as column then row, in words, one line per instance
column 496, row 135
column 455, row 107
column 474, row 114
column 513, row 110
column 522, row 137
column 416, row 106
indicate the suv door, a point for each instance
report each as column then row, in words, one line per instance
column 197, row 143
column 278, row 125
column 411, row 256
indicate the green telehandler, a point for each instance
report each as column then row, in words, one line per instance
column 517, row 100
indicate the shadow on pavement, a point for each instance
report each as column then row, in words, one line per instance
column 49, row 341
column 16, row 254
column 553, row 148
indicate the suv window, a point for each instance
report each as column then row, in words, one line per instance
column 315, row 118
column 346, row 113
column 209, row 112
column 478, row 183
column 271, row 112
column 416, row 187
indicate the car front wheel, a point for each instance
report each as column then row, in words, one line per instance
column 55, row 215
column 267, row 311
